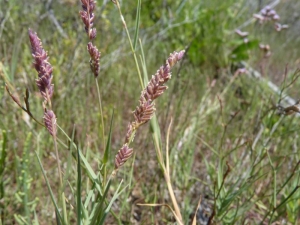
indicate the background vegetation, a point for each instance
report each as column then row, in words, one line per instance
column 228, row 145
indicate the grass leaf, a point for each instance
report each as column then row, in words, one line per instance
column 137, row 24
column 108, row 144
column 58, row 216
column 78, row 194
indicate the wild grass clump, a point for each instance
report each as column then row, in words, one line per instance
column 223, row 146
column 142, row 114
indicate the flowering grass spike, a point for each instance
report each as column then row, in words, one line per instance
column 88, row 17
column 42, row 66
column 145, row 110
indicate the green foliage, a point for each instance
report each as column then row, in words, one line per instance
column 241, row 52
column 227, row 140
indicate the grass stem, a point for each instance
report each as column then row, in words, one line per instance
column 131, row 45
column 101, row 112
column 60, row 182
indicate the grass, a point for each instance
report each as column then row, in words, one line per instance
column 226, row 147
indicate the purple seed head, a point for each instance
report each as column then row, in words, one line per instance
column 42, row 66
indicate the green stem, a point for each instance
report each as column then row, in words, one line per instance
column 101, row 111
column 131, row 46
column 275, row 194
column 60, row 182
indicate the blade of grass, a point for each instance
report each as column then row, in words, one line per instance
column 143, row 61
column 130, row 42
column 69, row 161
column 107, row 149
column 101, row 111
column 108, row 144
column 194, row 222
column 88, row 167
column 89, row 197
column 168, row 179
column 96, row 215
column 25, row 160
column 78, row 189
column 130, row 186
column 137, row 24
column 58, row 216
column 16, row 54
column 116, row 195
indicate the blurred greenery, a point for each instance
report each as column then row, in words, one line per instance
column 227, row 141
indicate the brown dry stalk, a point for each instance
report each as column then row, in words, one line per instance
column 145, row 110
